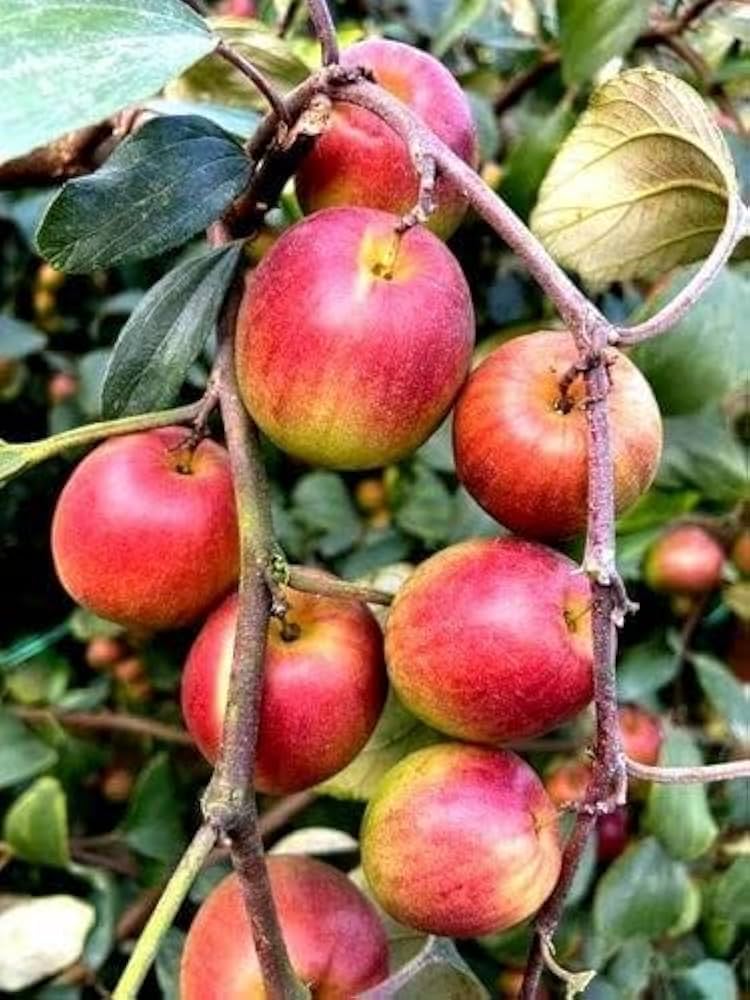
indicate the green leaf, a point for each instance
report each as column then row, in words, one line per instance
column 530, row 158
column 640, row 185
column 239, row 122
column 166, row 332
column 437, row 972
column 397, row 733
column 161, row 186
column 655, row 509
column 41, row 680
column 153, row 824
column 702, row 358
column 18, row 340
column 679, row 815
column 640, row 895
column 215, row 81
column 702, row 453
column 731, row 892
column 630, row 970
column 104, row 897
column 65, row 64
column 322, row 505
column 22, row 755
column 644, row 669
column 708, row 980
column 592, row 34
column 36, row 825
column 425, row 507
column 462, row 16
column 725, row 693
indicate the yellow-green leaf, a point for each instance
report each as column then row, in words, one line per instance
column 215, row 81
column 36, row 825
column 640, row 185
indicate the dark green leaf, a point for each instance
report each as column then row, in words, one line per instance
column 36, row 825
column 166, row 333
column 531, row 156
column 321, row 503
column 22, row 755
column 641, row 895
column 18, row 340
column 701, row 452
column 708, row 980
column 161, row 186
column 644, row 669
column 69, row 63
column 592, row 34
column 397, row 733
column 679, row 815
column 630, row 970
column 153, row 825
column 655, row 508
column 725, row 693
column 731, row 891
column 105, row 898
column 703, row 357
column 168, row 963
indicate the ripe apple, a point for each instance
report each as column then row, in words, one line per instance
column 460, row 841
column 352, row 341
column 490, row 640
column 641, row 733
column 741, row 552
column 323, row 688
column 521, row 450
column 359, row 160
column 146, row 535
column 685, row 560
column 335, row 939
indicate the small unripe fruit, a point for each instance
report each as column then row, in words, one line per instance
column 371, row 494
column 641, row 734
column 359, row 160
column 60, row 387
column 521, row 449
column 333, row 332
column 237, row 8
column 741, row 552
column 567, row 782
column 612, row 834
column 685, row 560
column 49, row 278
column 335, row 939
column 323, row 689
column 104, row 651
column 117, row 784
column 138, row 691
column 144, row 535
column 490, row 640
column 130, row 669
column 461, row 841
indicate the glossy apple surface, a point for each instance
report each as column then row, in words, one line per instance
column 522, row 452
column 335, row 939
column 461, row 840
column 490, row 640
column 353, row 341
column 323, row 690
column 144, row 535
column 359, row 160
column 685, row 560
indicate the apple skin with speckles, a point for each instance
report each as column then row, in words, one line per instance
column 490, row 640
column 522, row 452
column 335, row 939
column 323, row 690
column 145, row 534
column 461, row 841
column 685, row 560
column 359, row 160
column 353, row 340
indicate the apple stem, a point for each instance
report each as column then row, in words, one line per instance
column 325, row 31
column 698, row 775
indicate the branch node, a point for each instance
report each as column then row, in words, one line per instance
column 575, row 982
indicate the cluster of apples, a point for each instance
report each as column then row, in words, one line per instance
column 354, row 340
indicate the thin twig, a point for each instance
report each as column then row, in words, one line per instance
column 164, row 914
column 254, row 75
column 325, row 31
column 698, row 775
column 111, row 721
column 313, row 582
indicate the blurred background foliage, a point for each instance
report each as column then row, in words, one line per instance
column 95, row 815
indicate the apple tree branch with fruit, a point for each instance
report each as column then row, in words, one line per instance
column 345, row 341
